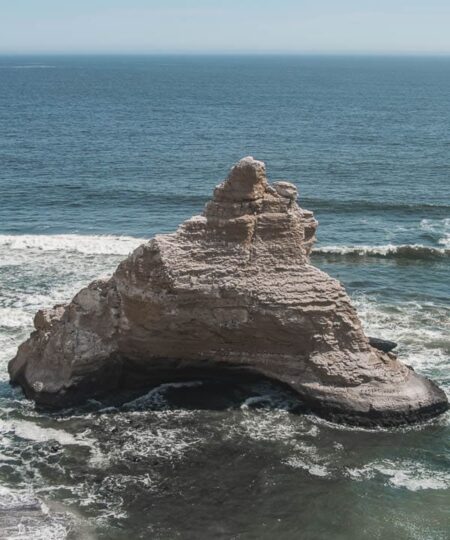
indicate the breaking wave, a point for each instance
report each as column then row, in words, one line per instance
column 405, row 474
column 388, row 251
column 93, row 244
column 123, row 245
column 437, row 230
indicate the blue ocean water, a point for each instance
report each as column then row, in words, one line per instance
column 97, row 153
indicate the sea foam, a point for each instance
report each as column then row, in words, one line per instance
column 409, row 475
column 93, row 244
column 390, row 251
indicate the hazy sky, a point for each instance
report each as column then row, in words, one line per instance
column 385, row 26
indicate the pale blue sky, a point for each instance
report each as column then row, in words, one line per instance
column 331, row 26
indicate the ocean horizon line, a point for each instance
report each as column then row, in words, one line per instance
column 230, row 53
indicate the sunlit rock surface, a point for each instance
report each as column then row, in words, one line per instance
column 230, row 294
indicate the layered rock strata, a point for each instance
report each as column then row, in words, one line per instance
column 230, row 293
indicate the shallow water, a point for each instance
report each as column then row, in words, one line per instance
column 94, row 148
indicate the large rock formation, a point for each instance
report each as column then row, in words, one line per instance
column 230, row 293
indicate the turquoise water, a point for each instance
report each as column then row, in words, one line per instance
column 98, row 153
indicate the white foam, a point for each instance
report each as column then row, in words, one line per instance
column 414, row 251
column 118, row 482
column 8, row 348
column 271, row 425
column 105, row 497
column 17, row 498
column 25, row 517
column 86, row 244
column 272, row 400
column 164, row 443
column 13, row 318
column 313, row 468
column 33, row 432
column 421, row 330
column 155, row 397
column 439, row 229
column 403, row 474
column 267, row 425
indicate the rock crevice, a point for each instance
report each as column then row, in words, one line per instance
column 231, row 289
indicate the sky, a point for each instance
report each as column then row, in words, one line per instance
column 225, row 26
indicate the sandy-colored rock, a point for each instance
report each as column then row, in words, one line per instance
column 230, row 293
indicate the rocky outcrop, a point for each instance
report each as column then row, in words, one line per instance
column 384, row 345
column 230, row 293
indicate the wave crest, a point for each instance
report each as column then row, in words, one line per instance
column 388, row 251
column 93, row 244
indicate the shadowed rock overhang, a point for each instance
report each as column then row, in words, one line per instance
column 232, row 290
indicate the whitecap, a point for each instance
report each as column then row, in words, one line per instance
column 404, row 251
column 438, row 229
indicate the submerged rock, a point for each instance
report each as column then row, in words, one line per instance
column 231, row 293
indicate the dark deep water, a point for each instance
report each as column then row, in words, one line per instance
column 97, row 153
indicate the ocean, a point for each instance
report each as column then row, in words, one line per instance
column 98, row 154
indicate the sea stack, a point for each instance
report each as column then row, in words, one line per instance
column 231, row 293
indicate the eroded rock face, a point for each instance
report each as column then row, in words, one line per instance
column 230, row 292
